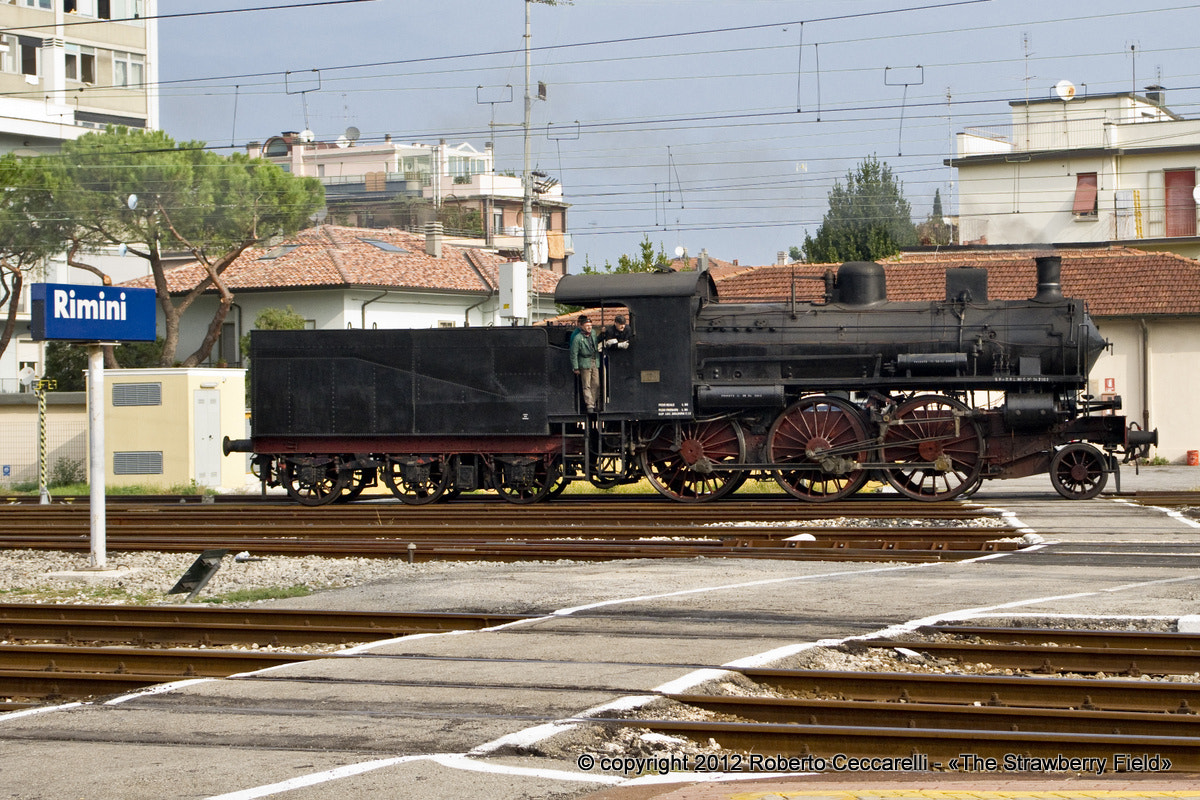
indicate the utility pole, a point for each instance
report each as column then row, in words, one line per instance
column 526, row 178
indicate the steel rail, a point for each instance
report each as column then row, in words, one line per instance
column 942, row 715
column 939, row 745
column 521, row 551
column 1148, row 640
column 1173, row 499
column 175, row 663
column 220, row 627
column 770, row 508
column 1119, row 694
column 1034, row 658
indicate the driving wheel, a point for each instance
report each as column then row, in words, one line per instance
column 679, row 461
column 933, row 448
column 819, row 443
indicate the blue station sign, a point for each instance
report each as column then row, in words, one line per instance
column 79, row 313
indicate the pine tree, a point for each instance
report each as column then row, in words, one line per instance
column 868, row 218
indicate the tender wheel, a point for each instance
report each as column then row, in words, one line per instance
column 1078, row 471
column 934, row 447
column 679, row 461
column 561, row 481
column 314, row 481
column 523, row 480
column 361, row 480
column 417, row 480
column 820, row 441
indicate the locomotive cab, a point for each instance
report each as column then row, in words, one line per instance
column 652, row 378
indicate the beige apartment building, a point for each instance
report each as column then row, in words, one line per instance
column 71, row 66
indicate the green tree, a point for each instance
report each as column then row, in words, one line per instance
column 67, row 363
column 935, row 230
column 868, row 218
column 273, row 319
column 141, row 189
column 30, row 230
column 647, row 261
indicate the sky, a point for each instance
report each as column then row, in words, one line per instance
column 700, row 124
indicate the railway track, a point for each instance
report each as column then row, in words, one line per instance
column 53, row 652
column 498, row 531
column 1019, row 722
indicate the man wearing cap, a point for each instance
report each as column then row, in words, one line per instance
column 617, row 334
column 585, row 361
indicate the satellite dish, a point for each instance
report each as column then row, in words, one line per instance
column 342, row 142
column 132, row 202
column 352, row 133
column 679, row 251
column 122, row 250
column 26, row 376
column 1196, row 194
column 307, row 136
column 1065, row 90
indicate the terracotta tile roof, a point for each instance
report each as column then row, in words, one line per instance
column 331, row 256
column 1115, row 281
column 601, row 317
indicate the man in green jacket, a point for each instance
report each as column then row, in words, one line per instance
column 585, row 361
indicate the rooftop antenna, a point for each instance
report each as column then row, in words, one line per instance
column 348, row 138
column 1133, row 65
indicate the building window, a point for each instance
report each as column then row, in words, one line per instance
column 128, row 69
column 1181, row 205
column 1086, row 191
column 46, row 4
column 27, row 55
column 119, row 9
column 81, row 63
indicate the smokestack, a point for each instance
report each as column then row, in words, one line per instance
column 1049, row 278
column 433, row 239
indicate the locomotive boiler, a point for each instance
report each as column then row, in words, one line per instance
column 931, row 397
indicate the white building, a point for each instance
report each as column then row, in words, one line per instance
column 337, row 277
column 1113, row 168
column 71, row 66
column 68, row 67
column 362, row 179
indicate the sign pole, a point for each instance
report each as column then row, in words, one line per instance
column 95, row 398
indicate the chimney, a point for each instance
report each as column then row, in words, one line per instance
column 1049, row 279
column 254, row 149
column 780, row 258
column 433, row 239
column 1154, row 93
column 702, row 262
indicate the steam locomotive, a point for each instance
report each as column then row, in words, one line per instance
column 931, row 397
